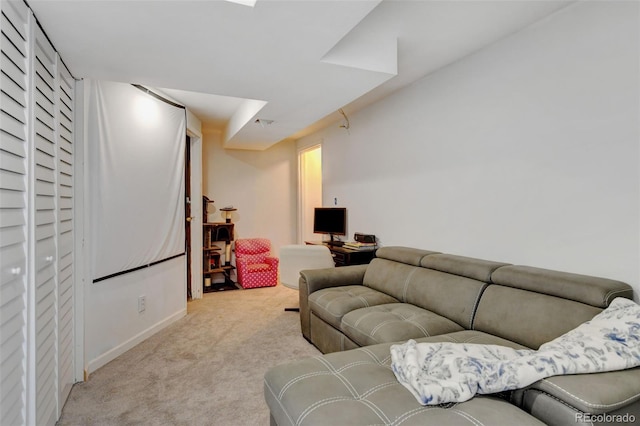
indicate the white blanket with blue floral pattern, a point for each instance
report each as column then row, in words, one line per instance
column 438, row 373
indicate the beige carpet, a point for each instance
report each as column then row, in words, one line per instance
column 205, row 369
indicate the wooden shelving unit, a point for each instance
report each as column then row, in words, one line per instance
column 211, row 256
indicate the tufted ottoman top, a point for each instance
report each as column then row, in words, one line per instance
column 357, row 387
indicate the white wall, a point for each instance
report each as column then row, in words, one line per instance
column 109, row 309
column 260, row 184
column 113, row 324
column 525, row 152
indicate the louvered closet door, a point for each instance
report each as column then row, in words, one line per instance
column 13, row 211
column 44, row 174
column 36, row 223
column 64, row 132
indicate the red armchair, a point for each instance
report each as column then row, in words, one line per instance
column 256, row 266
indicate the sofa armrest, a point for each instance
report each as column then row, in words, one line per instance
column 594, row 393
column 566, row 399
column 316, row 279
column 312, row 280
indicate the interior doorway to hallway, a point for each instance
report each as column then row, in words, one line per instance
column 309, row 191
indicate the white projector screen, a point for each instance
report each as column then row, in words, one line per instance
column 136, row 146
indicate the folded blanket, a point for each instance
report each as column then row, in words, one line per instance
column 438, row 373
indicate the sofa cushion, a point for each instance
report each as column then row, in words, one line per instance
column 332, row 303
column 392, row 323
column 471, row 336
column 329, row 339
column 357, row 387
column 451, row 296
column 432, row 285
column 388, row 276
column 526, row 317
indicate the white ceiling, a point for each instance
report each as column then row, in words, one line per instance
column 295, row 62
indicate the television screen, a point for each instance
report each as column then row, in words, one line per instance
column 330, row 220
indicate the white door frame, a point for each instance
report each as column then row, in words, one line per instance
column 196, row 213
column 81, row 217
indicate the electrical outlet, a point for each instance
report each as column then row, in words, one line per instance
column 142, row 303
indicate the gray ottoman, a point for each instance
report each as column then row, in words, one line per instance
column 357, row 387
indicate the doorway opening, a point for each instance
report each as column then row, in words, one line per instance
column 310, row 190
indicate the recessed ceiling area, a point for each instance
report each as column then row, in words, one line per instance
column 293, row 62
column 213, row 110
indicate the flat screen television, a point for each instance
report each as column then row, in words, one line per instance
column 330, row 220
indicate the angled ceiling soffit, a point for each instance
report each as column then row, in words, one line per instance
column 243, row 115
column 376, row 53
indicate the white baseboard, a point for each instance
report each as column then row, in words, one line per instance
column 112, row 354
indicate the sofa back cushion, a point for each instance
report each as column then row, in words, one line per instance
column 451, row 296
column 477, row 269
column 527, row 317
column 532, row 306
column 450, row 285
column 594, row 291
column 408, row 255
column 388, row 276
column 392, row 267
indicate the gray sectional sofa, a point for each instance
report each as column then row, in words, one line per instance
column 353, row 314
